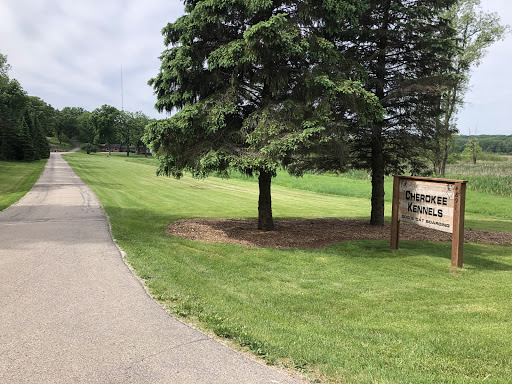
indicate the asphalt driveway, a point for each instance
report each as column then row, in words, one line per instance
column 72, row 311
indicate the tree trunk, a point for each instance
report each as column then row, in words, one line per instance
column 377, row 215
column 452, row 101
column 378, row 166
column 265, row 220
column 444, row 157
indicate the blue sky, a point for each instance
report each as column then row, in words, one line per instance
column 70, row 53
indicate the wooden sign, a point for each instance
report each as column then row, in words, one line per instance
column 432, row 203
column 427, row 204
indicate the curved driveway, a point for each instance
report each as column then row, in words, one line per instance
column 72, row 312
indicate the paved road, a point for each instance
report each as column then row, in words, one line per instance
column 72, row 312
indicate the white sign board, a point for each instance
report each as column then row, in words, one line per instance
column 427, row 204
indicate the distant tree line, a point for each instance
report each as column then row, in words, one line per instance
column 26, row 122
column 499, row 144
column 105, row 125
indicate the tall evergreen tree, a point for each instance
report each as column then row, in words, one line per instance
column 40, row 142
column 4, row 116
column 403, row 48
column 257, row 85
column 22, row 135
column 13, row 104
column 25, row 135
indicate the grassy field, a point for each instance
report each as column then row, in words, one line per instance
column 351, row 313
column 486, row 176
column 16, row 179
column 65, row 146
column 488, row 199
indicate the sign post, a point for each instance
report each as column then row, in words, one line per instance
column 433, row 203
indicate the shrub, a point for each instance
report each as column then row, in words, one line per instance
column 88, row 147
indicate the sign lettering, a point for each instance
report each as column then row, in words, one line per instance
column 427, row 204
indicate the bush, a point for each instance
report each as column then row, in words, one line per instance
column 88, row 147
column 493, row 157
column 485, row 157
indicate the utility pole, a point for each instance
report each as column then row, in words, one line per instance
column 122, row 93
column 122, row 115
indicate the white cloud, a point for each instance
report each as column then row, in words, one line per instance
column 70, row 53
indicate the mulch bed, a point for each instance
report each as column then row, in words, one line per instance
column 314, row 233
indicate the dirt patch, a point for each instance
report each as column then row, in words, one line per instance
column 314, row 233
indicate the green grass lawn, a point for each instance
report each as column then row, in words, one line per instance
column 64, row 146
column 354, row 312
column 16, row 179
column 484, row 210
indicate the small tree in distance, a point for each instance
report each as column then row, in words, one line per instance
column 472, row 149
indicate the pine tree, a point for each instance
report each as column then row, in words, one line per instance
column 27, row 150
column 403, row 49
column 22, row 135
column 40, row 142
column 257, row 85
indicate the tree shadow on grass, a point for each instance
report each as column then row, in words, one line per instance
column 476, row 256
